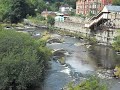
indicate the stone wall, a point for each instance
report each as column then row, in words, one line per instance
column 73, row 27
column 105, row 36
column 102, row 36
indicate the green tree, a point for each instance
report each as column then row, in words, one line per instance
column 39, row 5
column 50, row 20
column 116, row 2
column 71, row 3
column 57, row 5
column 15, row 10
column 22, row 61
column 4, row 8
column 53, row 1
column 19, row 10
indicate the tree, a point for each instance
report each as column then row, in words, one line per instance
column 40, row 5
column 53, row 1
column 57, row 5
column 22, row 61
column 71, row 3
column 4, row 8
column 15, row 10
column 116, row 2
column 19, row 10
column 50, row 20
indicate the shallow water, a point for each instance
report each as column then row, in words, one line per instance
column 80, row 63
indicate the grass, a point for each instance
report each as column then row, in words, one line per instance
column 45, row 36
column 62, row 60
column 118, row 31
column 37, row 19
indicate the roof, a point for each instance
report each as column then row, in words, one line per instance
column 60, row 14
column 49, row 12
column 111, row 8
column 65, row 5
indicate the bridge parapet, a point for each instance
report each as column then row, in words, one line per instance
column 97, row 19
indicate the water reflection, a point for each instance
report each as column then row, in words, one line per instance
column 80, row 60
column 105, row 56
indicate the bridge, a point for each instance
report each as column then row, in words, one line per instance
column 104, row 25
column 109, row 17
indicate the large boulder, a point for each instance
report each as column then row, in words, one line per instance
column 54, row 40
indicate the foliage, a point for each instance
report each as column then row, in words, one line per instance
column 71, row 3
column 50, row 20
column 116, row 2
column 38, row 19
column 56, row 3
column 116, row 44
column 90, row 14
column 53, row 1
column 90, row 84
column 19, row 10
column 117, row 71
column 82, row 16
column 22, row 61
column 15, row 10
column 4, row 8
column 55, row 6
column 39, row 5
column 92, row 40
column 72, row 13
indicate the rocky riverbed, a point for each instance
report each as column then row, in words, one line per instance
column 80, row 61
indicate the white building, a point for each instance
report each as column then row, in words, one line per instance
column 65, row 8
column 59, row 17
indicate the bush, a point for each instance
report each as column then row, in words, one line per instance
column 116, row 44
column 91, row 84
column 22, row 62
column 38, row 19
column 50, row 20
column 117, row 71
column 92, row 40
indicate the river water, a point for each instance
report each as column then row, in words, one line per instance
column 81, row 61
column 77, row 64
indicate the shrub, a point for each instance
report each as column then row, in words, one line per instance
column 116, row 44
column 22, row 62
column 91, row 84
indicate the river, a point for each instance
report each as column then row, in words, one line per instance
column 81, row 62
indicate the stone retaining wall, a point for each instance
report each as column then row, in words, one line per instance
column 103, row 37
column 73, row 27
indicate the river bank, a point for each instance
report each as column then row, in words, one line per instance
column 80, row 58
column 75, row 62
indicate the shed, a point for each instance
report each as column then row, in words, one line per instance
column 59, row 19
